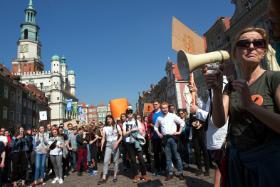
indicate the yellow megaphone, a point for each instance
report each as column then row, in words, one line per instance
column 187, row 63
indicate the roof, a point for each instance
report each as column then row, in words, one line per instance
column 55, row 58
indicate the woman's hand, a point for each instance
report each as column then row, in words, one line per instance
column 214, row 80
column 242, row 88
column 116, row 145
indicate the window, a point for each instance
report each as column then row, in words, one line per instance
column 6, row 92
column 18, row 117
column 24, row 119
column 5, row 112
column 13, row 97
column 25, row 34
column 12, row 116
column 24, row 102
column 57, row 98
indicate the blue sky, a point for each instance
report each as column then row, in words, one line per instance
column 116, row 47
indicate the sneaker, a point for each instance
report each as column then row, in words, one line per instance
column 60, row 181
column 168, row 177
column 50, row 172
column 206, row 173
column 115, row 179
column 155, row 173
column 145, row 178
column 136, row 179
column 55, row 180
column 101, row 181
column 92, row 173
column 80, row 173
column 198, row 172
column 181, row 177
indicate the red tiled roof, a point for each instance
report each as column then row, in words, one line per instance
column 227, row 22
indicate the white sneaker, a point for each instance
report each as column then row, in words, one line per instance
column 60, row 181
column 55, row 180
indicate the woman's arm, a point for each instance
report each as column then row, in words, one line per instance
column 270, row 119
column 3, row 156
column 120, row 136
column 103, row 140
column 220, row 107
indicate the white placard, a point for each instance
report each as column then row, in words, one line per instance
column 43, row 115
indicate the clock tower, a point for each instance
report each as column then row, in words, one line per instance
column 28, row 46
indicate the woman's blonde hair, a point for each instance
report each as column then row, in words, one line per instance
column 261, row 31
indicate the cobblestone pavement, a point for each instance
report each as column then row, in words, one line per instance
column 124, row 181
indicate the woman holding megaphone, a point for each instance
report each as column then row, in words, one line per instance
column 253, row 108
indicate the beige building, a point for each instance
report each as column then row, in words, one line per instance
column 247, row 13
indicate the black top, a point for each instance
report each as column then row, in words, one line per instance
column 246, row 131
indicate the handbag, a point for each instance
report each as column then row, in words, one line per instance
column 53, row 145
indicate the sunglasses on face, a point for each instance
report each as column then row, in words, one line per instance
column 260, row 43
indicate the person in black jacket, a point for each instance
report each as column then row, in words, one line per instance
column 82, row 151
column 20, row 148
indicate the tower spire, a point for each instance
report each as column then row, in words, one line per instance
column 30, row 5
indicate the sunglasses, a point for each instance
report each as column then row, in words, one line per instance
column 260, row 43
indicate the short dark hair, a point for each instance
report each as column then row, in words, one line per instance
column 129, row 111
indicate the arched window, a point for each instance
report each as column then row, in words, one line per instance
column 25, row 34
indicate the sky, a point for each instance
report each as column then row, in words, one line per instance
column 117, row 48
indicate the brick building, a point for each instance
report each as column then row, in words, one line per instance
column 20, row 104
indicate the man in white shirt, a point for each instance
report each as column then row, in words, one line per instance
column 168, row 123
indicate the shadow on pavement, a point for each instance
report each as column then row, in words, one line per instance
column 152, row 183
column 196, row 182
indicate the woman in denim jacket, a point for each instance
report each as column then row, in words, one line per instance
column 41, row 149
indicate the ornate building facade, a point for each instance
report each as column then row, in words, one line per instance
column 58, row 84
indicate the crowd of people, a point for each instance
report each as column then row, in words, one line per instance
column 236, row 131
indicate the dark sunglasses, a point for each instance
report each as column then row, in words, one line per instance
column 261, row 43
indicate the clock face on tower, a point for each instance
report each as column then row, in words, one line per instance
column 24, row 48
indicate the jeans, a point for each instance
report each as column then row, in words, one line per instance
column 94, row 155
column 199, row 141
column 132, row 152
column 40, row 163
column 57, row 165
column 170, row 148
column 88, row 153
column 73, row 157
column 108, row 152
